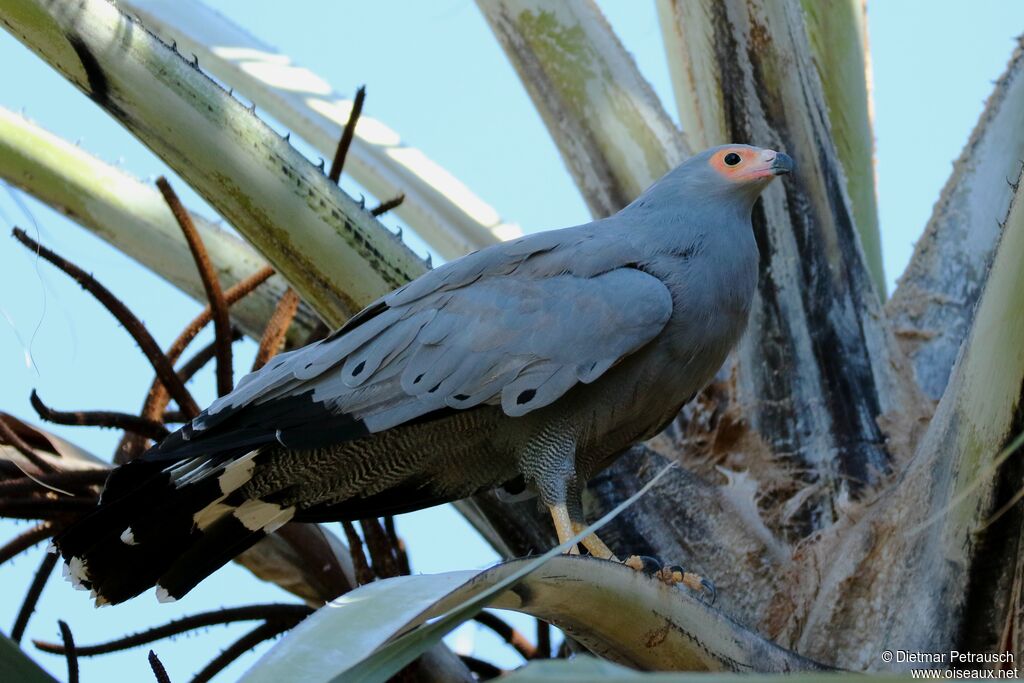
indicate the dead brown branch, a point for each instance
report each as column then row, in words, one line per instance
column 485, row 671
column 504, row 631
column 543, row 640
column 382, row 552
column 364, row 574
column 157, row 398
column 159, row 672
column 238, row 648
column 26, row 540
column 231, row 296
column 28, row 606
column 203, row 356
column 69, row 651
column 277, row 613
column 12, row 439
column 346, row 135
column 142, row 337
column 277, row 328
column 387, row 205
column 214, row 293
column 99, row 418
column 399, row 546
column 81, row 480
column 44, row 508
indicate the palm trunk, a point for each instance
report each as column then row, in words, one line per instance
column 609, row 126
column 933, row 305
column 820, row 409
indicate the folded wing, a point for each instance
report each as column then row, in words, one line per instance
column 516, row 328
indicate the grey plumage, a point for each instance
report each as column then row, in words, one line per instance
column 540, row 358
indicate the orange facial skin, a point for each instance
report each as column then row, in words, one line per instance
column 754, row 164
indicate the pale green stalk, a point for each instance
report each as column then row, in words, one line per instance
column 134, row 218
column 337, row 256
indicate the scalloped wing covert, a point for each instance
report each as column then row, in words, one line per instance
column 518, row 325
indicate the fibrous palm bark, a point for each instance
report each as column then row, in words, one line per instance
column 823, row 410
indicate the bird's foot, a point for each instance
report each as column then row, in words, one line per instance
column 674, row 574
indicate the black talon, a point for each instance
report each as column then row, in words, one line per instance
column 674, row 574
column 710, row 587
column 651, row 565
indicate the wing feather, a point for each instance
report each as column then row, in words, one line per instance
column 517, row 325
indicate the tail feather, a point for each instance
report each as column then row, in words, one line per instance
column 166, row 524
column 223, row 540
column 127, row 490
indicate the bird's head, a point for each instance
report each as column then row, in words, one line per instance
column 734, row 174
column 740, row 171
column 743, row 165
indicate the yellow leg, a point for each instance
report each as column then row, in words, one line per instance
column 594, row 544
column 563, row 527
column 566, row 529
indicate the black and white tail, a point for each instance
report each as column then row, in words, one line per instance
column 167, row 524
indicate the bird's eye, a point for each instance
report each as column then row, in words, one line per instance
column 732, row 158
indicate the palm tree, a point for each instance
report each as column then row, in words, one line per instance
column 848, row 480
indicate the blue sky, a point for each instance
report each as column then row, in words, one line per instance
column 435, row 74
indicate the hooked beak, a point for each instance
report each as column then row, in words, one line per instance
column 781, row 164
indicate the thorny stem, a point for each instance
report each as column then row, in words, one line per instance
column 142, row 337
column 26, row 540
column 543, row 640
column 196, row 363
column 277, row 328
column 69, row 651
column 233, row 294
column 99, row 418
column 32, row 597
column 504, row 631
column 214, row 293
column 364, row 574
column 81, row 479
column 388, row 205
column 133, row 443
column 157, row 398
column 346, row 136
column 485, row 671
column 12, row 439
column 399, row 545
column 239, row 647
column 381, row 550
column 270, row 613
column 158, row 668
column 44, row 508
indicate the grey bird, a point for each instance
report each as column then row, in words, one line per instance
column 535, row 361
